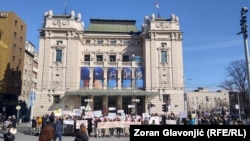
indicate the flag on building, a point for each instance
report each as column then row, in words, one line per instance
column 157, row 4
column 65, row 7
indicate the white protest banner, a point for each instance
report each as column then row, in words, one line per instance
column 79, row 122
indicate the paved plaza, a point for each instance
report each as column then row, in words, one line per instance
column 24, row 134
column 27, row 137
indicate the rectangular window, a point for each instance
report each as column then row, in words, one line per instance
column 21, row 28
column 88, row 41
column 113, row 42
column 207, row 98
column 58, row 55
column 137, row 58
column 0, row 36
column 125, row 58
column 15, row 34
column 125, row 42
column 15, row 23
column 99, row 42
column 56, row 99
column 86, row 57
column 13, row 58
column 14, row 46
column 20, row 50
column 112, row 58
column 164, row 56
column 99, row 58
column 166, row 99
column 21, row 39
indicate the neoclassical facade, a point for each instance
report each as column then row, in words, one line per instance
column 109, row 65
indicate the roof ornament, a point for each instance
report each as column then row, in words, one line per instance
column 72, row 14
column 79, row 17
column 146, row 19
column 152, row 16
column 50, row 14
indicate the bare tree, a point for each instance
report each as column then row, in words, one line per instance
column 237, row 81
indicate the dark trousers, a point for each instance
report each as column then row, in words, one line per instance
column 58, row 136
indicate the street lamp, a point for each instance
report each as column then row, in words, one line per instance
column 18, row 107
column 133, row 57
column 238, row 105
column 243, row 23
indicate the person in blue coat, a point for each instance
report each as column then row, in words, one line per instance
column 58, row 129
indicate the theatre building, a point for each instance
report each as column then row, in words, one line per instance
column 109, row 65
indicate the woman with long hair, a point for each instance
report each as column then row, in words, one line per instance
column 82, row 134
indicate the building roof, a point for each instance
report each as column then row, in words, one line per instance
column 112, row 26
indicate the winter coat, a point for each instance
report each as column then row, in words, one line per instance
column 81, row 136
column 58, row 128
column 47, row 133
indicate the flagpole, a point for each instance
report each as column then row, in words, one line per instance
column 65, row 7
column 158, row 13
column 157, row 4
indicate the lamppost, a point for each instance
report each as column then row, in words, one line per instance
column 18, row 107
column 243, row 23
column 133, row 57
column 136, row 101
column 238, row 105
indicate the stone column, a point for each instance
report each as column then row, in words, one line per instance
column 105, row 105
column 119, row 78
column 105, row 79
column 119, row 102
column 91, row 72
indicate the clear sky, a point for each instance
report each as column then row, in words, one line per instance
column 210, row 42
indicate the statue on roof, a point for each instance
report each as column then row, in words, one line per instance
column 46, row 14
column 72, row 14
column 152, row 16
column 79, row 16
column 146, row 19
column 174, row 18
column 50, row 14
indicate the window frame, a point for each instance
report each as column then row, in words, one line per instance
column 58, row 55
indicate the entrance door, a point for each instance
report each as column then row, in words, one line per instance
column 126, row 100
column 112, row 102
column 98, row 102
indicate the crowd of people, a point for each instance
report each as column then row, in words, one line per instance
column 51, row 126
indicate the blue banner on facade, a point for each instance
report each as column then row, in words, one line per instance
column 84, row 81
column 127, row 78
column 98, row 78
column 112, row 78
column 139, row 77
